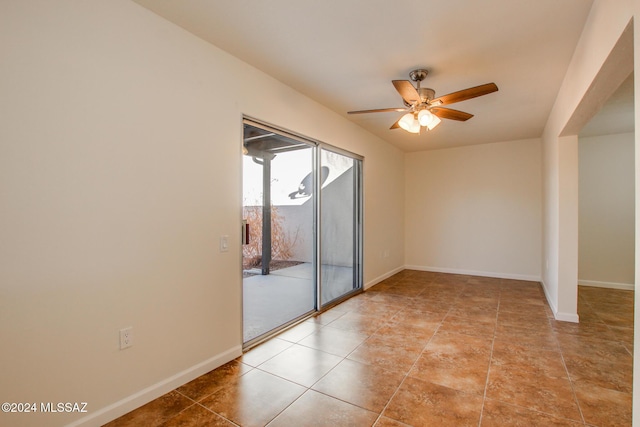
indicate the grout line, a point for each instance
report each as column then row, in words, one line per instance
column 220, row 415
column 571, row 384
column 195, row 402
column 493, row 341
column 406, row 375
column 288, row 406
column 310, row 388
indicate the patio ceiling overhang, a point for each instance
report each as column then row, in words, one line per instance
column 264, row 144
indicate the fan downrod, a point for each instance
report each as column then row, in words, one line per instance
column 418, row 75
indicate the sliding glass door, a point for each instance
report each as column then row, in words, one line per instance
column 301, row 210
column 340, row 223
column 278, row 257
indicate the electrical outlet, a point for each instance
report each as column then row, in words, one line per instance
column 126, row 337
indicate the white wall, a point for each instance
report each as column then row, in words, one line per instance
column 601, row 61
column 475, row 209
column 120, row 168
column 607, row 211
column 599, row 64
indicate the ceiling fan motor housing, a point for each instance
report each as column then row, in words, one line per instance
column 418, row 75
column 426, row 94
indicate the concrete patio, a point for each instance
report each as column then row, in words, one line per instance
column 286, row 294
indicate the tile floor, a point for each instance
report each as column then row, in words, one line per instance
column 425, row 349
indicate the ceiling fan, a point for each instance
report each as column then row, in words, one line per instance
column 423, row 108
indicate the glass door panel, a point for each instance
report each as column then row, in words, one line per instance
column 278, row 261
column 340, row 219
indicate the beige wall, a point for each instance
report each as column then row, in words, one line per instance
column 475, row 209
column 604, row 56
column 607, row 211
column 120, row 168
column 601, row 61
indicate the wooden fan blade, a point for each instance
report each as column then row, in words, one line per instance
column 448, row 113
column 379, row 110
column 463, row 95
column 396, row 125
column 406, row 90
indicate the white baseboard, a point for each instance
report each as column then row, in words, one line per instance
column 552, row 306
column 379, row 279
column 564, row 317
column 496, row 275
column 610, row 285
column 129, row 403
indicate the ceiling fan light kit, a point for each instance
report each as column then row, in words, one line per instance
column 428, row 119
column 423, row 109
column 409, row 123
column 412, row 122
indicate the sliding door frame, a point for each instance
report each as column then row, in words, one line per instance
column 358, row 223
column 357, row 278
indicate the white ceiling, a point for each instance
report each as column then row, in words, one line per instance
column 345, row 54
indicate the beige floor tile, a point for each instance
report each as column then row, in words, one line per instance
column 603, row 407
column 301, row 365
column 457, row 361
column 335, row 341
column 461, row 325
column 553, row 396
column 425, row 349
column 314, row 409
column 197, row 416
column 607, row 373
column 500, row 414
column 387, row 354
column 418, row 333
column 421, row 403
column 264, row 351
column 356, row 322
column 300, row 331
column 367, row 386
column 388, row 422
column 155, row 412
column 415, row 316
column 536, row 361
column 529, row 337
column 475, row 314
column 213, row 381
column 253, row 399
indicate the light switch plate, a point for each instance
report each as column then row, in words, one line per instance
column 224, row 243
